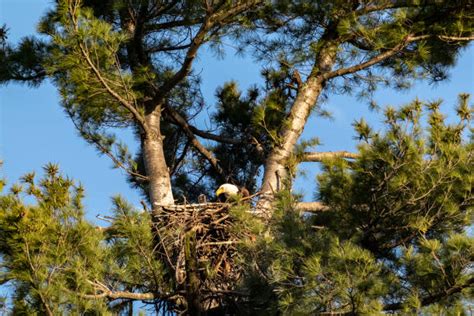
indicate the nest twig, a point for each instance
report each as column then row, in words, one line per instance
column 207, row 229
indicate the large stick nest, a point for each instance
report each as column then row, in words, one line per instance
column 201, row 239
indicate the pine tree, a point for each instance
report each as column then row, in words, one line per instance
column 393, row 236
column 387, row 232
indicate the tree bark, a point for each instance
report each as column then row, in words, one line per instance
column 155, row 164
column 276, row 175
column 320, row 156
column 311, row 207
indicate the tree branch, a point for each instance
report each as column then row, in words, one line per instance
column 214, row 137
column 168, row 48
column 320, row 156
column 180, row 121
column 170, row 24
column 210, row 21
column 375, row 60
column 83, row 49
column 207, row 135
column 105, row 292
column 196, row 42
column 311, row 207
column 428, row 300
column 113, row 93
column 105, row 151
column 392, row 5
column 456, row 38
column 389, row 53
column 118, row 163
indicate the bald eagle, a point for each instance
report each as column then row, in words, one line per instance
column 228, row 191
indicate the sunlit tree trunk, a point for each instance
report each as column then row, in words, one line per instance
column 159, row 191
column 276, row 175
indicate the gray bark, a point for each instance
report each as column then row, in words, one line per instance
column 155, row 164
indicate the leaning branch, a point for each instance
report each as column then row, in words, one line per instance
column 194, row 141
column 126, row 104
column 214, row 137
column 391, row 52
column 112, row 92
column 119, row 163
column 235, row 10
column 210, row 21
column 207, row 135
column 375, row 60
column 185, row 69
column 150, row 28
column 320, row 156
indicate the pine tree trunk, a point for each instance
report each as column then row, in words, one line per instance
column 155, row 164
column 276, row 175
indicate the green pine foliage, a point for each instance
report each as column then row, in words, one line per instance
column 393, row 239
column 54, row 262
column 395, row 236
column 48, row 250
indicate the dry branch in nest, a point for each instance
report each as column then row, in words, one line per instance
column 199, row 244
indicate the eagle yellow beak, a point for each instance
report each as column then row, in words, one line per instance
column 219, row 191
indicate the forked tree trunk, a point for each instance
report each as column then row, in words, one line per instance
column 276, row 175
column 159, row 182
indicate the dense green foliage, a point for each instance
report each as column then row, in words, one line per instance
column 390, row 233
column 48, row 250
column 136, row 52
column 394, row 237
column 53, row 258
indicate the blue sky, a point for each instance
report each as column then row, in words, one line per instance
column 34, row 130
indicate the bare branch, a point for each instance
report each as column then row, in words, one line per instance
column 375, row 60
column 456, row 38
column 311, row 207
column 208, row 23
column 217, row 138
column 119, row 164
column 150, row 28
column 235, row 9
column 320, row 156
column 194, row 141
column 207, row 135
column 167, row 49
column 389, row 53
column 191, row 54
column 104, row 292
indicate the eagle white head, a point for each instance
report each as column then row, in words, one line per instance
column 225, row 191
